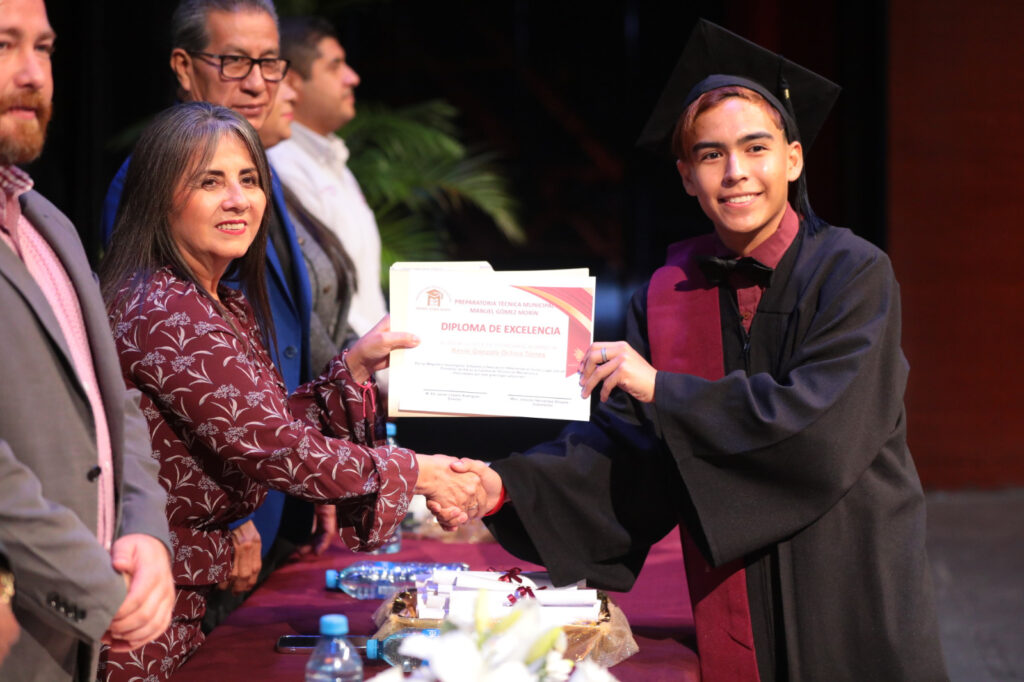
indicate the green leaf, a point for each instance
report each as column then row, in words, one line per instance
column 421, row 131
column 415, row 174
column 506, row 622
column 407, row 237
column 543, row 644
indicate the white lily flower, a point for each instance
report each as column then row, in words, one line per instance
column 514, row 643
column 418, row 646
column 588, row 671
column 454, row 657
column 556, row 668
column 389, row 675
column 509, row 671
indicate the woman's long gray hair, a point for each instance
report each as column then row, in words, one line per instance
column 173, row 150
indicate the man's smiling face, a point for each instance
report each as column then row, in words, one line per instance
column 739, row 166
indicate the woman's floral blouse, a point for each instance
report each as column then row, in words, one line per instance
column 224, row 429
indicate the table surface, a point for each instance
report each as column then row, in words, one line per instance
column 293, row 598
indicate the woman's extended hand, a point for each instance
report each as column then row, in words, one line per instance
column 372, row 351
column 490, row 482
column 453, row 497
column 617, row 365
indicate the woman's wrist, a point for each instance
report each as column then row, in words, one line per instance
column 422, row 466
column 360, row 374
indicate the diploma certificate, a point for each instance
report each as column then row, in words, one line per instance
column 491, row 343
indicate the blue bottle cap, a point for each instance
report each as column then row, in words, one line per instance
column 391, row 429
column 333, row 624
column 371, row 649
column 331, row 579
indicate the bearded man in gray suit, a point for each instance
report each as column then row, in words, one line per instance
column 84, row 548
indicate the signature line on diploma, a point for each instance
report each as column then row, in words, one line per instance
column 537, row 397
column 441, row 390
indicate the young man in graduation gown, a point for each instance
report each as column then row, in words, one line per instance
column 757, row 402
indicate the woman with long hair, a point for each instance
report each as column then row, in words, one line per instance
column 222, row 425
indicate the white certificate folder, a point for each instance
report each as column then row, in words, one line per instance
column 491, row 343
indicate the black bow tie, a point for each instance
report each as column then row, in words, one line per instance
column 717, row 270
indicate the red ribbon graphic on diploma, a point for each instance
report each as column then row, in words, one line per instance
column 578, row 304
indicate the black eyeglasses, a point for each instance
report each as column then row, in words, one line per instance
column 237, row 67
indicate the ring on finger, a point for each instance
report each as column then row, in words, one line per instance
column 604, row 355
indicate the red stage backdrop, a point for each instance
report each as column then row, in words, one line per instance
column 956, row 233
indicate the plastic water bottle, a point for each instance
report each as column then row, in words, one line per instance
column 380, row 579
column 387, row 649
column 334, row 659
column 393, row 543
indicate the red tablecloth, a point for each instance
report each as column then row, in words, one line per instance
column 292, row 600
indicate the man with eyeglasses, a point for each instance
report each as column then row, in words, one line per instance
column 235, row 61
column 226, row 52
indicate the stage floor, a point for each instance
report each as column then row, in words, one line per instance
column 976, row 547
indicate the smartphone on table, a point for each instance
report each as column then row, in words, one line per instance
column 295, row 644
column 304, row 644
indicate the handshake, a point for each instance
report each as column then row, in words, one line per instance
column 457, row 490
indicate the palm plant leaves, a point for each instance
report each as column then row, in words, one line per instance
column 424, row 129
column 407, row 237
column 415, row 173
column 475, row 180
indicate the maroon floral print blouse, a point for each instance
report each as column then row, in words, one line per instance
column 223, row 427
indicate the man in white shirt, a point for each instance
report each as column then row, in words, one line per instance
column 313, row 163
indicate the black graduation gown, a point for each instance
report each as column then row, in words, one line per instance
column 795, row 462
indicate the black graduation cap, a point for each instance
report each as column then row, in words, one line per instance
column 714, row 58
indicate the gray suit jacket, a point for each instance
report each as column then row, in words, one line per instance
column 67, row 591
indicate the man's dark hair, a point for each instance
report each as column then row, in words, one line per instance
column 299, row 38
column 188, row 23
